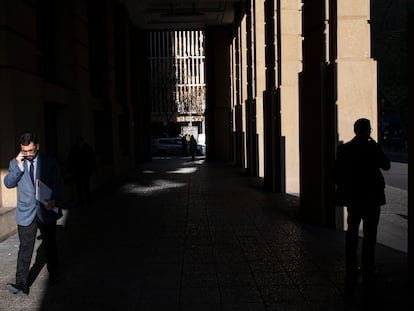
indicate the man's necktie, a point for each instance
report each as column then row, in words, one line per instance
column 31, row 171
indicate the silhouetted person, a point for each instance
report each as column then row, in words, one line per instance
column 193, row 147
column 82, row 163
column 28, row 166
column 184, row 145
column 360, row 187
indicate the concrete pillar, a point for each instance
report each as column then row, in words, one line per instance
column 260, row 80
column 316, row 106
column 7, row 115
column 233, row 91
column 250, row 102
column 291, row 65
column 273, row 149
column 81, row 105
column 410, row 40
column 20, row 89
column 237, row 114
column 111, row 91
column 218, row 112
column 243, row 85
column 123, row 67
column 356, row 70
column 9, row 145
column 19, row 85
column 139, row 94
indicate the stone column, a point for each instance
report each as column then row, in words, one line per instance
column 218, row 112
column 316, row 152
column 356, row 70
column 243, row 79
column 237, row 107
column 291, row 65
column 250, row 102
column 19, row 86
column 260, row 80
column 113, row 108
column 273, row 149
column 410, row 40
column 20, row 92
column 81, row 105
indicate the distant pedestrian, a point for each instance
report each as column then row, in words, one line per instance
column 24, row 170
column 193, row 147
column 82, row 164
column 360, row 187
column 184, row 145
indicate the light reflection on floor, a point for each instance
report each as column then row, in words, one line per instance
column 197, row 162
column 183, row 170
column 156, row 186
column 162, row 184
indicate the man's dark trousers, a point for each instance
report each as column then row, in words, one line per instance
column 369, row 214
column 27, row 237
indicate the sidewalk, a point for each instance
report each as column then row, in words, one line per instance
column 393, row 226
column 182, row 235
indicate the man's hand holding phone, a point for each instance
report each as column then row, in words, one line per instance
column 20, row 158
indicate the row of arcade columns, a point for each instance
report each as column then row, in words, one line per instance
column 301, row 73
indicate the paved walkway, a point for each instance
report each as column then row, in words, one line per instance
column 182, row 235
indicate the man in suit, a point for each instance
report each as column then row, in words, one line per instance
column 24, row 169
column 360, row 187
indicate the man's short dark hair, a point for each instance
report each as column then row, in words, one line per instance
column 362, row 126
column 27, row 138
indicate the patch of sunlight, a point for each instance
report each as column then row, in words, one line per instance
column 62, row 221
column 156, row 186
column 183, row 170
column 198, row 162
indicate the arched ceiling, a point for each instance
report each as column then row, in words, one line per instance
column 180, row 14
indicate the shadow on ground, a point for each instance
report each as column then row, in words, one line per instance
column 179, row 235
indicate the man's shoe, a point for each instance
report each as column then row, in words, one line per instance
column 17, row 289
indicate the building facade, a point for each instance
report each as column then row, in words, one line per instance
column 177, row 91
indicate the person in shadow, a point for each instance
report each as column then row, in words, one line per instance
column 193, row 146
column 184, row 145
column 24, row 170
column 360, row 187
column 82, row 164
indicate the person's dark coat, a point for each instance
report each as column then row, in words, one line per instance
column 357, row 172
column 27, row 206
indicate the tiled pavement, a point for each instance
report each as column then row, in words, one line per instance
column 182, row 235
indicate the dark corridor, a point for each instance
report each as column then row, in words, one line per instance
column 184, row 235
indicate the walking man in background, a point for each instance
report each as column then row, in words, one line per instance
column 360, row 187
column 193, row 147
column 28, row 166
column 82, row 164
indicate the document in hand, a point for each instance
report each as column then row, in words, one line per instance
column 43, row 194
